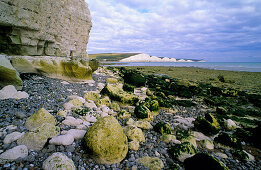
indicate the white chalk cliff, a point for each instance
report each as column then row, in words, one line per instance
column 148, row 58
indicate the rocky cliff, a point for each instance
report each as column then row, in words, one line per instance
column 44, row 28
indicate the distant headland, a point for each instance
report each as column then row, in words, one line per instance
column 136, row 57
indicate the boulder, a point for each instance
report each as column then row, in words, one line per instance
column 134, row 145
column 153, row 163
column 92, row 95
column 58, row 161
column 8, row 74
column 62, row 140
column 10, row 155
column 39, row 118
column 42, row 28
column 208, row 144
column 123, row 114
column 162, row 127
column 203, row 161
column 37, row 138
column 182, row 151
column 107, row 141
column 167, row 138
column 71, row 121
column 134, row 134
column 186, row 136
column 143, row 125
column 104, row 101
column 115, row 92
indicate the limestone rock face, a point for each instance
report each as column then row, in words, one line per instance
column 107, row 141
column 51, row 28
column 58, row 161
column 8, row 74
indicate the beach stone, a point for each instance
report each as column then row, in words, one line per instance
column 203, row 161
column 115, row 106
column 68, row 106
column 62, row 113
column 162, row 128
column 58, row 161
column 133, row 133
column 221, row 155
column 65, row 140
column 142, row 112
column 200, row 136
column 104, row 101
column 107, row 141
column 153, row 163
column 10, row 92
column 230, row 124
column 100, row 86
column 90, row 118
column 76, row 97
column 182, row 151
column 207, row 125
column 134, row 145
column 208, row 144
column 9, row 75
column 76, row 102
column 20, row 151
column 143, row 125
column 90, row 105
column 123, row 114
column 36, row 139
column 130, row 122
column 12, row 137
column 39, row 118
column 71, row 121
column 76, row 133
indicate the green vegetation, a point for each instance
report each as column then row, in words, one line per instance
column 111, row 56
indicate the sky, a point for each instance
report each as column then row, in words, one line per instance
column 212, row 30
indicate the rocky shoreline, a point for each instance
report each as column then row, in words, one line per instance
column 53, row 94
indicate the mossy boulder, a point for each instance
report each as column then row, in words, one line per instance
column 42, row 116
column 58, row 161
column 142, row 112
column 115, row 92
column 123, row 114
column 167, row 138
column 104, row 101
column 94, row 96
column 207, row 125
column 94, row 64
column 186, row 136
column 134, row 145
column 115, row 106
column 143, row 124
column 153, row 105
column 228, row 140
column 162, row 127
column 153, row 163
column 182, row 151
column 134, row 134
column 8, row 74
column 112, row 80
column 203, row 161
column 37, row 138
column 106, row 141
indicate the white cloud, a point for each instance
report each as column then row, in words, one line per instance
column 170, row 26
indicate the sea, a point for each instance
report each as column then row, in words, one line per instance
column 231, row 66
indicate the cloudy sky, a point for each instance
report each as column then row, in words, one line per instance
column 213, row 30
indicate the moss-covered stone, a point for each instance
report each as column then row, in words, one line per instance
column 134, row 134
column 143, row 124
column 58, row 161
column 8, row 74
column 41, row 117
column 207, row 125
column 115, row 92
column 37, row 138
column 134, row 145
column 94, row 64
column 123, row 114
column 112, row 80
column 153, row 105
column 208, row 144
column 167, row 138
column 163, row 128
column 104, row 101
column 203, row 161
column 94, row 96
column 153, row 163
column 107, row 141
column 142, row 112
column 76, row 102
column 115, row 106
column 228, row 140
column 182, row 151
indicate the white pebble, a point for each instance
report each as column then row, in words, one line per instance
column 71, row 121
column 12, row 137
column 62, row 140
column 20, row 151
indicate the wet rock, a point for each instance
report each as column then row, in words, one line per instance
column 153, row 163
column 20, row 151
column 58, row 161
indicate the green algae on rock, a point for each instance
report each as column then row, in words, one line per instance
column 142, row 112
column 228, row 140
column 203, row 161
column 9, row 75
column 39, row 118
column 134, row 134
column 115, row 92
column 106, row 141
column 163, row 128
column 94, row 96
column 58, row 161
column 182, row 151
column 153, row 163
column 208, row 124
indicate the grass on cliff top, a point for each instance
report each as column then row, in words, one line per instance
column 246, row 81
column 111, row 56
